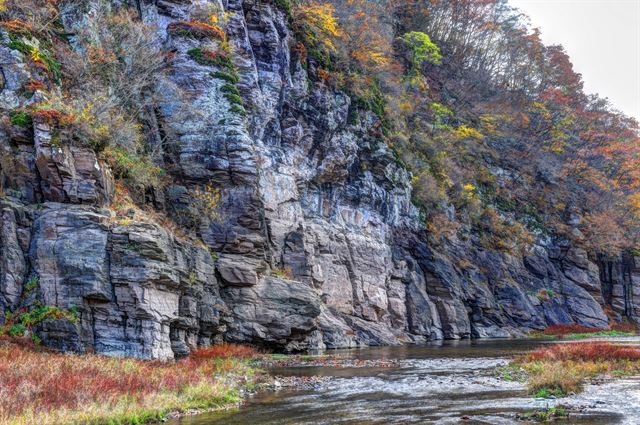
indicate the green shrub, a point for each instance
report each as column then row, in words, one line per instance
column 20, row 46
column 421, row 49
column 210, row 58
column 286, row 6
column 36, row 339
column 21, row 119
column 17, row 330
column 31, row 284
column 237, row 109
column 228, row 88
column 43, row 56
column 230, row 78
column 139, row 170
column 233, row 98
column 545, row 294
column 283, row 273
column 42, row 313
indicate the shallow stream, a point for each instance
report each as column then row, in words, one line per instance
column 450, row 383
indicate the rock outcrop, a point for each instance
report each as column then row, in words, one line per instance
column 316, row 245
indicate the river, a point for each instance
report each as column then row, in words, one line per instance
column 449, row 383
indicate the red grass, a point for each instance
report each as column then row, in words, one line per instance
column 224, row 351
column 585, row 351
column 45, row 381
column 624, row 327
column 569, row 329
column 561, row 330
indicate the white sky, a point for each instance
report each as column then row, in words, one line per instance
column 602, row 38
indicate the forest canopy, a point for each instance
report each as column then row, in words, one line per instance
column 492, row 122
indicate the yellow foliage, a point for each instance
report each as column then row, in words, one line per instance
column 36, row 56
column 370, row 57
column 634, row 201
column 210, row 14
column 465, row 132
column 3, row 5
column 491, row 122
column 541, row 108
column 207, row 200
column 418, row 82
column 406, row 106
column 322, row 24
column 469, row 191
column 560, row 206
column 86, row 113
column 560, row 135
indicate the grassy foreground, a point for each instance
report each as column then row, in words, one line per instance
column 562, row 369
column 52, row 388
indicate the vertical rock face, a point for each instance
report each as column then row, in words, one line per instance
column 317, row 243
column 621, row 285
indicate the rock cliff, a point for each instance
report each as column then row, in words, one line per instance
column 316, row 243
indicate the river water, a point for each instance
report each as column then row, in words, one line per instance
column 454, row 382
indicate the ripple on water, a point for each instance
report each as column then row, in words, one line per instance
column 425, row 388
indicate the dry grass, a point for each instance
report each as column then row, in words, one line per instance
column 51, row 388
column 562, row 369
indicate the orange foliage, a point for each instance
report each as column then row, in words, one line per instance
column 196, row 29
column 323, row 75
column 53, row 117
column 367, row 39
column 302, row 51
column 16, row 26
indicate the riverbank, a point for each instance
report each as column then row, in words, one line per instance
column 46, row 387
column 574, row 332
column 43, row 387
column 562, row 369
column 407, row 384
